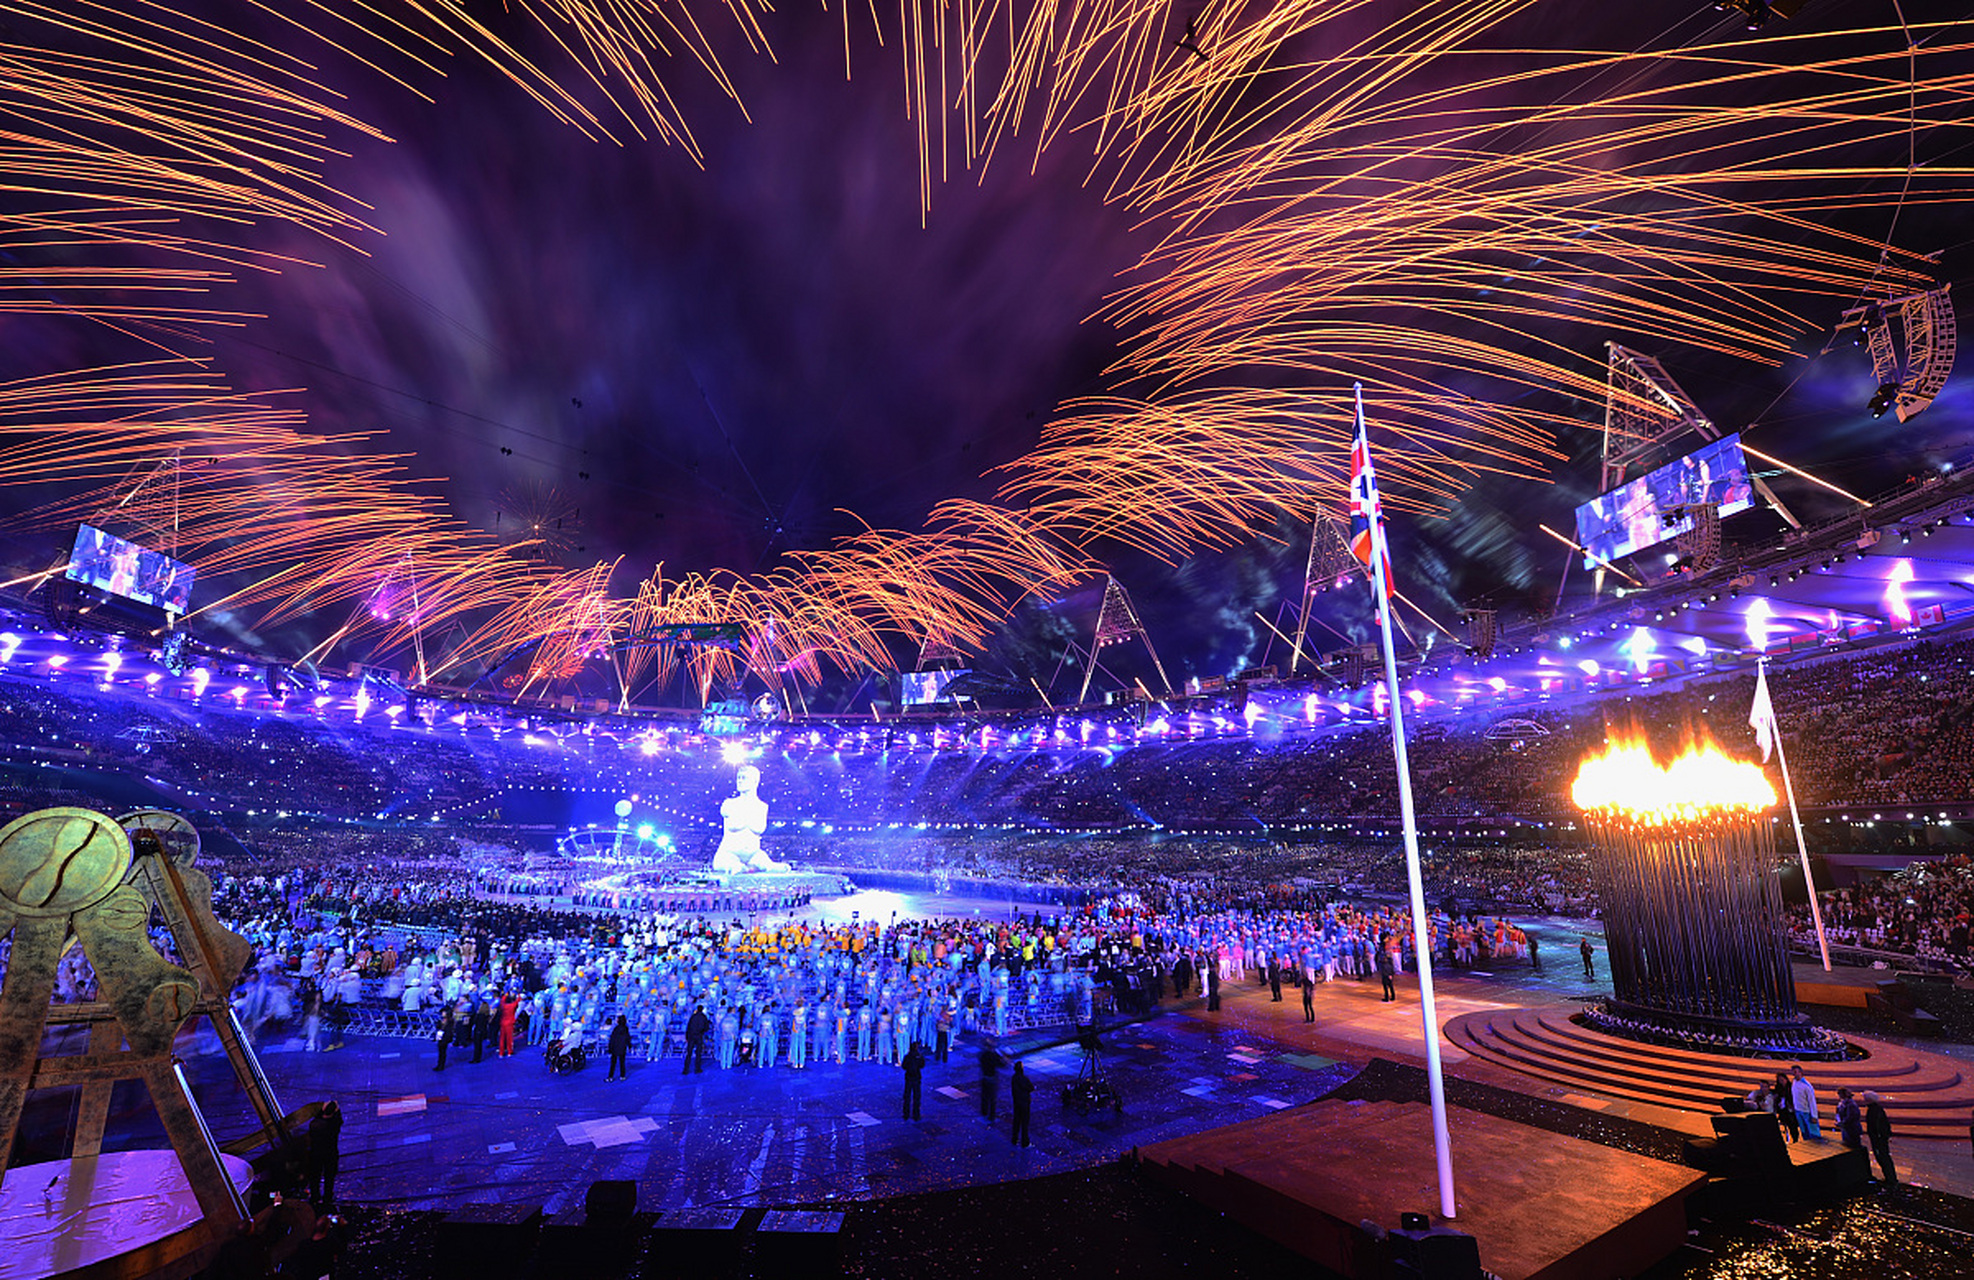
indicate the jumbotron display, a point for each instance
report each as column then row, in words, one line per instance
column 921, row 688
column 122, row 568
column 1647, row 511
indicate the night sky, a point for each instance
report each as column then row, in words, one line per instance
column 705, row 364
column 706, row 367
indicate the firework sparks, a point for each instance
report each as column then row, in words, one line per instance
column 1337, row 200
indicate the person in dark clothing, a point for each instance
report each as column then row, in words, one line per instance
column 265, row 1189
column 1878, row 1132
column 447, row 1022
column 325, row 1135
column 481, row 1023
column 1785, row 1115
column 1387, row 968
column 1850, row 1119
column 620, row 1048
column 1212, row 986
column 990, row 1081
column 914, row 1077
column 696, row 1029
column 1589, row 969
column 1274, row 982
column 1182, row 978
column 247, row 1254
column 1308, row 998
column 317, row 1255
column 1534, row 956
column 1021, row 1093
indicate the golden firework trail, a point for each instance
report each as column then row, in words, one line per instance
column 1436, row 199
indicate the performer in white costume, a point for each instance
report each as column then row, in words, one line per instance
column 745, row 817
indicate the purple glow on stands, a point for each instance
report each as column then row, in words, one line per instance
column 1757, row 617
column 1640, row 648
column 1897, row 607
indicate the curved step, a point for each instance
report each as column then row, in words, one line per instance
column 1734, row 1075
column 1879, row 1066
column 1926, row 1096
column 1623, row 1060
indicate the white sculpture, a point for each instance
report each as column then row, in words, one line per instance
column 745, row 819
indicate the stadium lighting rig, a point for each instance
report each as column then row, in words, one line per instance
column 1758, row 13
column 1911, row 357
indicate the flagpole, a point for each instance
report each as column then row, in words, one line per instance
column 1421, row 927
column 1796, row 819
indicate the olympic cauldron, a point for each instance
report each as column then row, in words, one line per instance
column 1684, row 864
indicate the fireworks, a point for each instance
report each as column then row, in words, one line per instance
column 1424, row 205
column 539, row 521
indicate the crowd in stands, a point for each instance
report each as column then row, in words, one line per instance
column 1924, row 910
column 1915, row 744
column 1881, row 727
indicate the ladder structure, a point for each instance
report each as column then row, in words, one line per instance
column 1644, row 411
column 1117, row 623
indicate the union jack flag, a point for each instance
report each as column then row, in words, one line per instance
column 1365, row 539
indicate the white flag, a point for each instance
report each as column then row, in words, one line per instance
column 1761, row 718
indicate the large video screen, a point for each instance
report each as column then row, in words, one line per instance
column 122, row 568
column 915, row 688
column 1633, row 516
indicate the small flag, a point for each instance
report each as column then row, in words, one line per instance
column 1762, row 717
column 1366, row 520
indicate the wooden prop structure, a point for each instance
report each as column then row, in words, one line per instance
column 72, row 875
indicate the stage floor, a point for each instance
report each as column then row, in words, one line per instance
column 1542, row 1206
column 1354, row 1025
column 505, row 1131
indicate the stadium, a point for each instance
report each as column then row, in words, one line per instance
column 1300, row 640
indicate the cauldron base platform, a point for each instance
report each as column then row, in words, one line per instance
column 1799, row 1040
column 1926, row 1095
